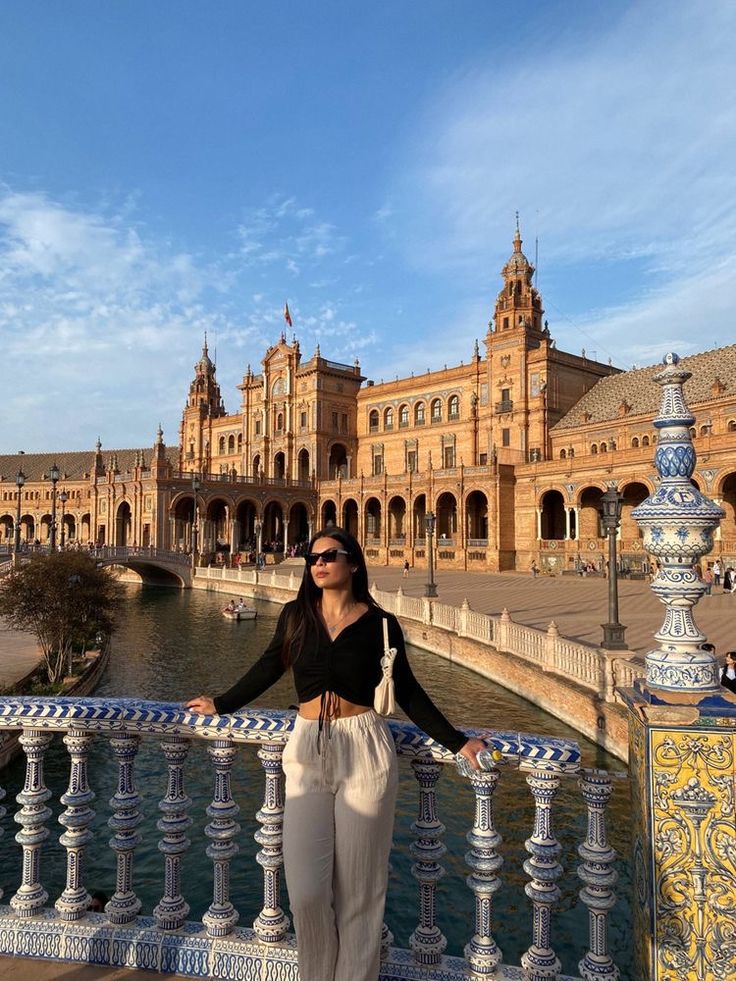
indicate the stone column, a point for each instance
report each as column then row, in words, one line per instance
column 682, row 733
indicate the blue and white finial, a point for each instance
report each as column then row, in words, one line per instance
column 678, row 524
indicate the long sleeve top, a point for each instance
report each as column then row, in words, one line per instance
column 348, row 666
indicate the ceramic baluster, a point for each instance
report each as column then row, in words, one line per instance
column 172, row 910
column 31, row 897
column 540, row 962
column 124, row 905
column 599, row 876
column 427, row 941
column 74, row 900
column 271, row 923
column 221, row 917
column 483, row 953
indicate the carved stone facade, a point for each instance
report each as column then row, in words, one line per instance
column 511, row 449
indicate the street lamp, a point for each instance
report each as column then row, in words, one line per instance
column 54, row 475
column 63, row 497
column 258, row 529
column 430, row 589
column 19, row 481
column 196, row 484
column 613, row 631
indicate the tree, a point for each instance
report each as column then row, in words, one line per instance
column 65, row 599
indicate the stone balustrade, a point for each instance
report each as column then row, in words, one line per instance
column 591, row 667
column 37, row 925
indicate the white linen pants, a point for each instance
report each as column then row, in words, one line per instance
column 338, row 825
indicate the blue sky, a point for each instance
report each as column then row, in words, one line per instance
column 174, row 167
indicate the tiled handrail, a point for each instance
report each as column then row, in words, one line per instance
column 216, row 946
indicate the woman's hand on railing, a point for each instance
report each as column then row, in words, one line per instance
column 201, row 705
column 470, row 751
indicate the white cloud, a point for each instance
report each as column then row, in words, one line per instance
column 616, row 146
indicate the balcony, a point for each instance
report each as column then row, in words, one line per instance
column 506, row 405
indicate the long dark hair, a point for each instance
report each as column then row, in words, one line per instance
column 303, row 615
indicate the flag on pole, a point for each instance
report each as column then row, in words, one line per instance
column 287, row 315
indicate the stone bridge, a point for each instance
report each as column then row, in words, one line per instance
column 153, row 565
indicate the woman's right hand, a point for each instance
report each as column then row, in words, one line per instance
column 201, row 705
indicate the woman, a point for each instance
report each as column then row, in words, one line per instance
column 340, row 761
column 728, row 672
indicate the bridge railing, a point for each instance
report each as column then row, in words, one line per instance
column 30, row 926
column 127, row 552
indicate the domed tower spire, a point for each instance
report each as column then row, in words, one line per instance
column 519, row 305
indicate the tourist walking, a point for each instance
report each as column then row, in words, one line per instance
column 717, row 569
column 728, row 580
column 406, row 569
column 340, row 760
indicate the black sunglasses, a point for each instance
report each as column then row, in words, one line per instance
column 312, row 558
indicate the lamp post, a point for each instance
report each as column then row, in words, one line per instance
column 63, row 497
column 19, row 481
column 258, row 529
column 54, row 475
column 613, row 631
column 196, row 484
column 430, row 589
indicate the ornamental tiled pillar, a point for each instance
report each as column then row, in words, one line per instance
column 682, row 733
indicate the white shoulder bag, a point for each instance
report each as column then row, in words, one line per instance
column 384, row 700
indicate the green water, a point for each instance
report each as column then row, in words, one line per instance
column 174, row 644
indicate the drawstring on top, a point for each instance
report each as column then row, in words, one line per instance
column 329, row 703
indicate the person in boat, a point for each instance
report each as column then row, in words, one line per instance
column 340, row 761
column 241, row 605
column 230, row 608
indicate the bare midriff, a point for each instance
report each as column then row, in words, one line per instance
column 341, row 708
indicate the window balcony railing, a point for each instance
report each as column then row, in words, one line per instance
column 33, row 928
column 506, row 405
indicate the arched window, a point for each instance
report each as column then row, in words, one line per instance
column 436, row 410
column 221, row 445
column 594, row 448
column 403, row 416
column 603, row 448
column 635, row 442
column 645, row 441
column 732, row 425
column 453, row 407
column 280, row 421
column 388, row 418
column 240, row 442
column 279, row 386
column 563, row 454
column 692, row 432
column 419, row 410
column 704, row 430
column 373, row 421
column 231, row 444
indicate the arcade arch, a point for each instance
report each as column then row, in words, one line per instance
column 123, row 524
column 302, row 465
column 397, row 520
column 476, row 512
column 337, row 464
column 350, row 517
column 446, row 516
column 552, row 516
column 329, row 514
column 372, row 519
column 633, row 494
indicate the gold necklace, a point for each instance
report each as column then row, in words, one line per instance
column 333, row 627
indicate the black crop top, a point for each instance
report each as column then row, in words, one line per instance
column 350, row 667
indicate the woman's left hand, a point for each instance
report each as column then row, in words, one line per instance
column 470, row 751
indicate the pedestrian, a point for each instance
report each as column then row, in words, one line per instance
column 534, row 568
column 708, row 580
column 340, row 760
column 728, row 672
column 406, row 569
column 728, row 580
column 717, row 569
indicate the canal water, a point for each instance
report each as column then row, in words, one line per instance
column 173, row 644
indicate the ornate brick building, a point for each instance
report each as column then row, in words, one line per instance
column 511, row 450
